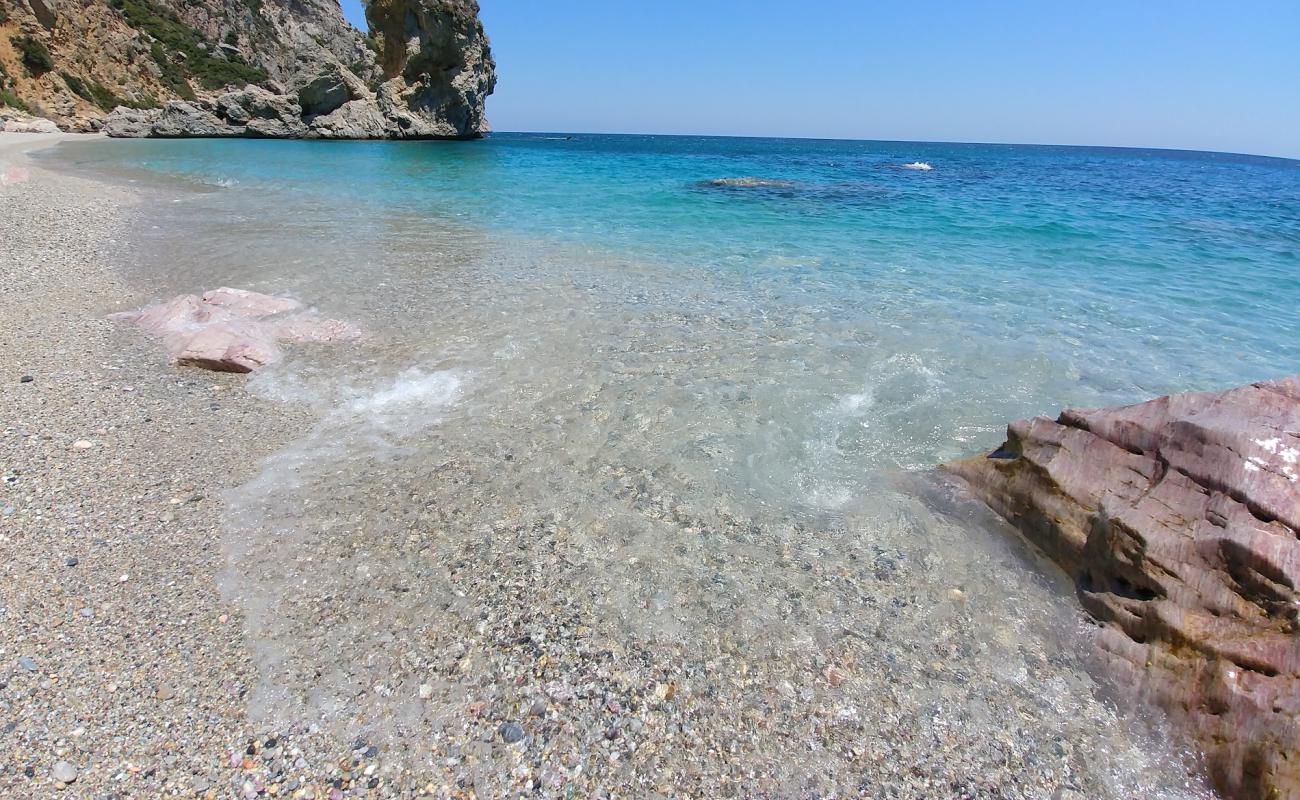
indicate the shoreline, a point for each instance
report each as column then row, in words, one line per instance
column 118, row 657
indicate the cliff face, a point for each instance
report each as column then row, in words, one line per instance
column 296, row 65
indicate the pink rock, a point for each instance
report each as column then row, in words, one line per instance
column 178, row 315
column 1178, row 520
column 13, row 175
column 250, row 304
column 227, row 346
column 310, row 327
column 233, row 330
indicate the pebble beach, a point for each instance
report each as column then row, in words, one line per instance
column 180, row 619
column 121, row 673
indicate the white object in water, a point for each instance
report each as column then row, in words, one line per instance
column 921, row 165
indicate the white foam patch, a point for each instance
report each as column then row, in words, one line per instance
column 413, row 388
column 266, row 542
column 857, row 402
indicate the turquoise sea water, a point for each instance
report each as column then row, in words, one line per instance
column 1163, row 269
column 704, row 413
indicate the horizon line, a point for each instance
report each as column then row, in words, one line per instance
column 1294, row 159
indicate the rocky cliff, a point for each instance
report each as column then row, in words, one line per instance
column 1178, row 519
column 283, row 68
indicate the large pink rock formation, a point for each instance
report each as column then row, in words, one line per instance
column 233, row 330
column 1178, row 520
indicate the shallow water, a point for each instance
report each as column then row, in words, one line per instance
column 655, row 448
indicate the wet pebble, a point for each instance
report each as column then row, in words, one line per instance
column 511, row 732
column 63, row 772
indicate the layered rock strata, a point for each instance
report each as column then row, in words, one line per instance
column 1178, row 520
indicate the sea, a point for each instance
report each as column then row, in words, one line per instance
column 684, row 398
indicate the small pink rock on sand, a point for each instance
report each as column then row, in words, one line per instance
column 13, row 175
column 234, row 330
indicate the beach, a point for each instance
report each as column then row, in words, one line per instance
column 119, row 659
column 388, row 586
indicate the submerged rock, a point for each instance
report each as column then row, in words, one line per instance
column 747, row 182
column 1178, row 520
column 233, row 330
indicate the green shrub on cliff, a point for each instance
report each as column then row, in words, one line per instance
column 8, row 98
column 33, row 53
column 172, row 76
column 176, row 41
column 214, row 73
column 77, row 85
column 95, row 92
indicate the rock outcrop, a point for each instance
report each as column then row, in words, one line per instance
column 20, row 122
column 295, row 68
column 233, row 330
column 436, row 60
column 1178, row 520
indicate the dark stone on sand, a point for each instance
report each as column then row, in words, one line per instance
column 511, row 732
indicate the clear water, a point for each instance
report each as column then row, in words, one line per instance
column 696, row 423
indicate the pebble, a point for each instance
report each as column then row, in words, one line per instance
column 199, row 785
column 82, row 444
column 511, row 732
column 165, row 692
column 72, row 562
column 426, row 691
column 63, row 772
column 27, row 663
column 26, row 379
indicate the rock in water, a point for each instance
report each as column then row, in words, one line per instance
column 1178, row 520
column 234, row 330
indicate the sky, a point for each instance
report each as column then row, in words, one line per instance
column 1192, row 74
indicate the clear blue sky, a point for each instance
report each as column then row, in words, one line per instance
column 1199, row 74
